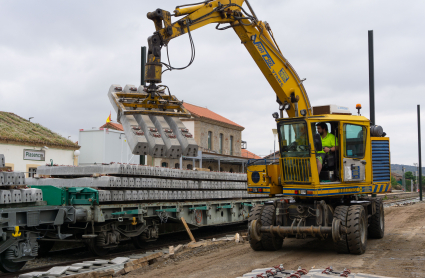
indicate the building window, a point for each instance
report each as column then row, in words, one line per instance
column 220, row 143
column 221, row 169
column 231, row 170
column 189, row 167
column 32, row 172
column 231, row 145
column 210, row 168
column 210, row 140
column 164, row 164
column 177, row 166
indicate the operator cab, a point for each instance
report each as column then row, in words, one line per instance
column 296, row 151
column 340, row 131
column 330, row 171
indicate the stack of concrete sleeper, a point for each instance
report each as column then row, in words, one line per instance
column 125, row 182
column 16, row 195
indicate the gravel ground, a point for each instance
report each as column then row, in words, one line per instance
column 401, row 253
column 70, row 255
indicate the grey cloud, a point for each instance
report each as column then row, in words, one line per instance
column 59, row 58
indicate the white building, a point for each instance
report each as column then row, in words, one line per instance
column 219, row 140
column 27, row 145
column 104, row 145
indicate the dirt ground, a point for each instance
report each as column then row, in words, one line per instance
column 401, row 253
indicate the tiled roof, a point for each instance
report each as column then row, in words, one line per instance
column 17, row 130
column 202, row 112
column 273, row 155
column 112, row 125
column 248, row 154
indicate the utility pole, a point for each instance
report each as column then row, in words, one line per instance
column 403, row 179
column 371, row 78
column 371, row 81
column 143, row 158
column 420, row 152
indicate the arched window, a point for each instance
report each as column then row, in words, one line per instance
column 177, row 166
column 221, row 169
column 164, row 164
column 189, row 166
column 231, row 170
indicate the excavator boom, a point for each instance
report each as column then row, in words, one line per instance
column 256, row 36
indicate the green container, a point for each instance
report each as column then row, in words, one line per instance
column 82, row 196
column 61, row 196
column 54, row 196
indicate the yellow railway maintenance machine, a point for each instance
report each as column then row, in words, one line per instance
column 332, row 203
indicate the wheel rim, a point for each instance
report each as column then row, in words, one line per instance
column 363, row 230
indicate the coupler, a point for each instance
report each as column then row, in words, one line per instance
column 336, row 230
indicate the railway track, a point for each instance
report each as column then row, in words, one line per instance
column 401, row 201
column 390, row 199
column 165, row 242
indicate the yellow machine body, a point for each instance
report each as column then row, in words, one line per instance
column 365, row 172
column 265, row 179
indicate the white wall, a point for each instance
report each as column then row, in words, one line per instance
column 13, row 155
column 104, row 146
column 92, row 146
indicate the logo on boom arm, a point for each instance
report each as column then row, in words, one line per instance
column 269, row 61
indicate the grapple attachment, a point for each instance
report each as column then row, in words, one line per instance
column 151, row 121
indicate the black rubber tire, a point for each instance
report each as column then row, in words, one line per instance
column 377, row 221
column 269, row 241
column 44, row 247
column 254, row 214
column 7, row 266
column 357, row 229
column 341, row 214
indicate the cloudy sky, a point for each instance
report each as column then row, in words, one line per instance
column 58, row 59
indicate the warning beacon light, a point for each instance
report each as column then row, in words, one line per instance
column 358, row 107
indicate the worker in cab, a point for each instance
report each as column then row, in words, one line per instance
column 329, row 144
column 301, row 135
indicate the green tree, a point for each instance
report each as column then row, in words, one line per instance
column 393, row 181
column 409, row 176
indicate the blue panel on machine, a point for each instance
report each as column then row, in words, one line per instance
column 381, row 160
column 355, row 172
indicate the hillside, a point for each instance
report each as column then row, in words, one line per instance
column 397, row 168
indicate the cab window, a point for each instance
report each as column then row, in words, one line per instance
column 294, row 140
column 354, row 140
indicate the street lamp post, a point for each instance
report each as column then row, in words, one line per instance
column 403, row 179
column 415, row 173
column 274, row 130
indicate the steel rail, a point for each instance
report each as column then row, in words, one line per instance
column 113, row 255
